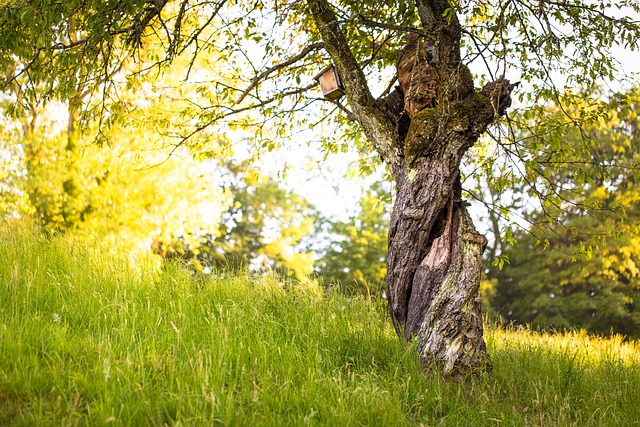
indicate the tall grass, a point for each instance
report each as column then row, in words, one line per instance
column 87, row 337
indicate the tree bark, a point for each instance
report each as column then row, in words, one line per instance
column 435, row 253
column 422, row 130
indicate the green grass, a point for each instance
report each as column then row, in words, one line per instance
column 90, row 336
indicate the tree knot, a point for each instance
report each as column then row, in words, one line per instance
column 499, row 93
column 417, row 77
column 412, row 213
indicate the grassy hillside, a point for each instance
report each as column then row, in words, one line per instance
column 89, row 336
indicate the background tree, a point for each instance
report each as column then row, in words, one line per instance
column 265, row 228
column 14, row 202
column 582, row 270
column 132, row 186
column 421, row 130
column 355, row 261
column 557, row 289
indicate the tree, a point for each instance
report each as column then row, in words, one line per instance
column 134, row 187
column 355, row 259
column 14, row 202
column 556, row 277
column 554, row 288
column 264, row 228
column 421, row 130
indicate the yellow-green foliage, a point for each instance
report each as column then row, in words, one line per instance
column 355, row 261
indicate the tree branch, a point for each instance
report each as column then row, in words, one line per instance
column 376, row 123
column 141, row 21
column 264, row 74
column 399, row 28
column 232, row 112
column 426, row 14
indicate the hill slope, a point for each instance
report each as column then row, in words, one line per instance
column 89, row 337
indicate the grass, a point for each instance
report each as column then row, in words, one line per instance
column 88, row 337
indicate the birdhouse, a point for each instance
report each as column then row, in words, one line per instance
column 330, row 83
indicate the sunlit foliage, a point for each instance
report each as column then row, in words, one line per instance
column 112, row 175
column 583, row 269
column 264, row 229
column 354, row 262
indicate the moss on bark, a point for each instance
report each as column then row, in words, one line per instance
column 435, row 131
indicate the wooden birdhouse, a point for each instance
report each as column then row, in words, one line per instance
column 330, row 83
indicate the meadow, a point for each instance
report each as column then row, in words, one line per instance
column 93, row 335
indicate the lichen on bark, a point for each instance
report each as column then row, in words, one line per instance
column 434, row 130
column 421, row 137
column 435, row 253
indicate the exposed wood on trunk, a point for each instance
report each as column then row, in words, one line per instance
column 435, row 254
column 435, row 261
column 450, row 335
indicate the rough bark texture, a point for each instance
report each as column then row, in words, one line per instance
column 422, row 232
column 416, row 77
column 422, row 129
column 435, row 254
column 450, row 335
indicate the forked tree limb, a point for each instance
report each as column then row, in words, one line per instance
column 255, row 82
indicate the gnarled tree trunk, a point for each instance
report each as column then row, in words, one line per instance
column 435, row 253
column 422, row 130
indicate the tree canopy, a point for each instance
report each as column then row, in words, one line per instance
column 265, row 55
